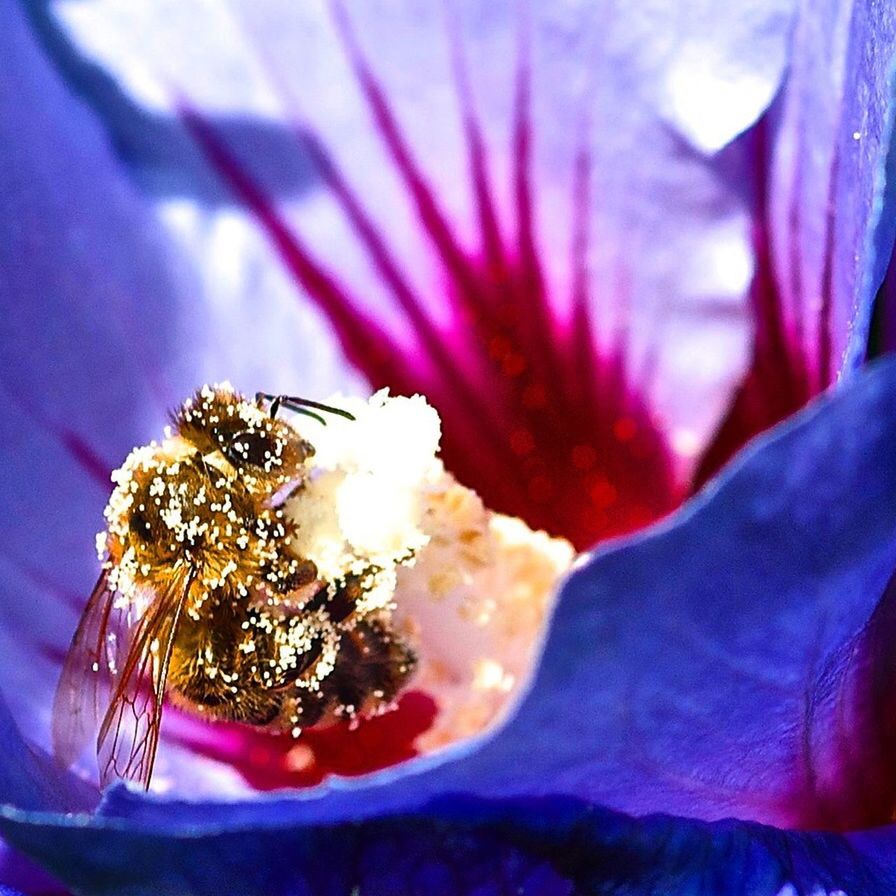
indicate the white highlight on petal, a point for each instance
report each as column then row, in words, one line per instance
column 713, row 108
column 724, row 68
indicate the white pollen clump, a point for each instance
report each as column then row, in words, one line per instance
column 363, row 504
column 391, row 436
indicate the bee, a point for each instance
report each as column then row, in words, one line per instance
column 202, row 601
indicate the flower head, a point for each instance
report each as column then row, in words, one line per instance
column 578, row 317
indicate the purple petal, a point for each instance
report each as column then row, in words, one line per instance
column 824, row 218
column 21, row 877
column 87, row 355
column 831, row 215
column 6, row 891
column 471, row 848
column 31, row 780
column 883, row 326
column 154, row 147
column 883, row 335
column 28, row 778
column 101, row 331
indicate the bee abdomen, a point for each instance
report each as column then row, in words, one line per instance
column 371, row 666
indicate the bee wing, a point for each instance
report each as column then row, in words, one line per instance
column 129, row 732
column 113, row 679
column 88, row 672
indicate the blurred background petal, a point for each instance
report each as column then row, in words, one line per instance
column 537, row 847
column 824, row 217
column 22, row 877
column 831, row 132
column 646, row 210
column 104, row 327
column 89, row 354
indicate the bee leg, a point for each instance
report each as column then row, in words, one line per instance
column 307, row 708
column 252, row 705
column 288, row 575
column 259, row 707
column 339, row 603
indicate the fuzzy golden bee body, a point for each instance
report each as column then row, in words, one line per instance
column 202, row 598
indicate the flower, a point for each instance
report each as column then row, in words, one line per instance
column 732, row 662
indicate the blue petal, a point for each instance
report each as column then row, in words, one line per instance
column 155, row 147
column 6, row 891
column 21, row 877
column 88, row 354
column 866, row 176
column 732, row 662
column 29, row 778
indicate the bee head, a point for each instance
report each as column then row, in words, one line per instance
column 266, row 452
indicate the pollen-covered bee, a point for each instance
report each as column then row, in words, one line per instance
column 202, row 599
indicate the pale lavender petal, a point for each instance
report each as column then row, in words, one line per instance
column 663, row 221
column 88, row 354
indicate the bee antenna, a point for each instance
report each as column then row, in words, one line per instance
column 308, row 413
column 301, row 406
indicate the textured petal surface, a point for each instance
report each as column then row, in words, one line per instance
column 883, row 332
column 88, row 354
column 21, row 877
column 29, row 778
column 735, row 662
column 831, row 137
column 470, row 848
column 6, row 891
